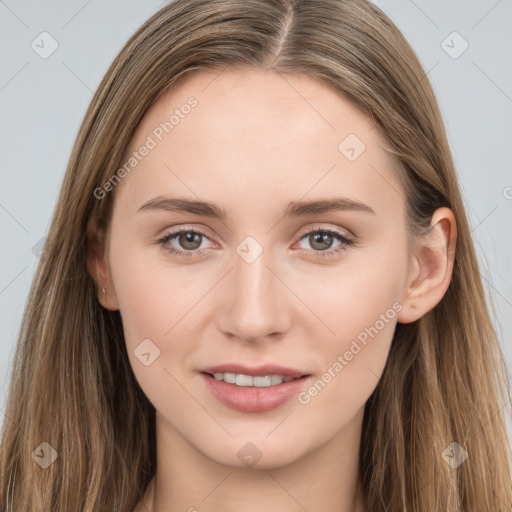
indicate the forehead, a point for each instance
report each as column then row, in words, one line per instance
column 254, row 132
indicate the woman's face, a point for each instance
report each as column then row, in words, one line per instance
column 315, row 289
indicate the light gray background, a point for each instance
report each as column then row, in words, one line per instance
column 43, row 101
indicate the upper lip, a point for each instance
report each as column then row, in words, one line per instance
column 264, row 369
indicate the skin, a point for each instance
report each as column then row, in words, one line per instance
column 255, row 142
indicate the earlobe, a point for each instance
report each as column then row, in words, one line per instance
column 98, row 268
column 432, row 266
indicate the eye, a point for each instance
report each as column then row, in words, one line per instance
column 321, row 241
column 189, row 239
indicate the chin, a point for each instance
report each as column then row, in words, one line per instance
column 260, row 453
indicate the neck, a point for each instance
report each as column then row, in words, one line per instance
column 326, row 479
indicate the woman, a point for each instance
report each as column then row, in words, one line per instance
column 259, row 290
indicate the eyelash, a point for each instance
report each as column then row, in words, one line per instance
column 343, row 238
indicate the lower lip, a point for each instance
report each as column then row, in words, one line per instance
column 253, row 399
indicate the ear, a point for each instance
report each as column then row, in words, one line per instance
column 98, row 268
column 430, row 271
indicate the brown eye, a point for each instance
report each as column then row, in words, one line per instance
column 184, row 242
column 321, row 240
column 189, row 240
column 326, row 242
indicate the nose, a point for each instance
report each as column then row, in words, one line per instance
column 254, row 302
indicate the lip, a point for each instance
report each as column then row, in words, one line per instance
column 254, row 399
column 264, row 369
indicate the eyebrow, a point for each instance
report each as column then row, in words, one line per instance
column 294, row 209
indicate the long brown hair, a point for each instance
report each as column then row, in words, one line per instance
column 72, row 386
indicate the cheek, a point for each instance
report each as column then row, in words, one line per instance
column 359, row 314
column 353, row 361
column 352, row 296
column 159, row 304
column 153, row 302
column 151, row 296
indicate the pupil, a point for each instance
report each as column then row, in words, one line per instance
column 188, row 240
column 319, row 238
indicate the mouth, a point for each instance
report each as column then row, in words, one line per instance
column 256, row 390
column 256, row 381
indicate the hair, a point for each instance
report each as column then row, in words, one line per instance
column 72, row 385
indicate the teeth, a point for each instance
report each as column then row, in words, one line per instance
column 244, row 380
column 258, row 381
column 229, row 377
column 264, row 382
column 276, row 379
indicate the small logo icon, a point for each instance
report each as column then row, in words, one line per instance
column 249, row 249
column 455, row 455
column 38, row 248
column 249, row 454
column 351, row 147
column 45, row 455
column 44, row 45
column 454, row 45
column 146, row 352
